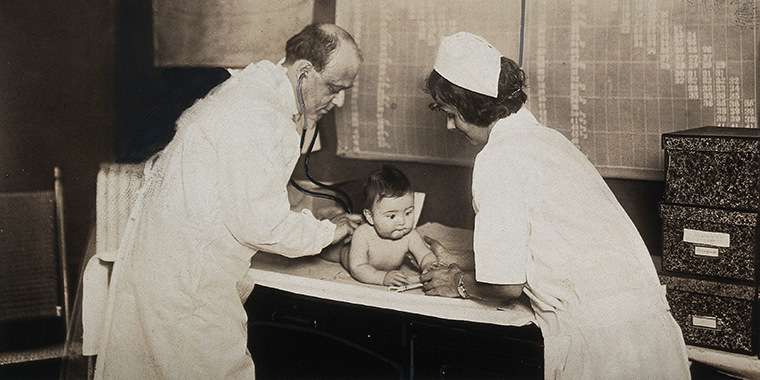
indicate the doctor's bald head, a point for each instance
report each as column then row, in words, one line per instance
column 322, row 62
column 316, row 43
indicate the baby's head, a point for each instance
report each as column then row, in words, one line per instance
column 390, row 203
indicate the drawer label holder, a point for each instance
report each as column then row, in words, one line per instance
column 705, row 322
column 706, row 252
column 715, row 239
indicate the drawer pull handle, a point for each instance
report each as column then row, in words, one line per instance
column 294, row 319
column 706, row 252
column 706, row 322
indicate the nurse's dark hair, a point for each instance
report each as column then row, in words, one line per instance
column 478, row 109
column 386, row 182
column 316, row 43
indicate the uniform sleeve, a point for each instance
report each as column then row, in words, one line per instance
column 256, row 161
column 502, row 228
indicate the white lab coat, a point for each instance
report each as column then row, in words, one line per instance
column 546, row 218
column 213, row 197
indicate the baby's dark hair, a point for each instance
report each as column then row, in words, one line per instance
column 385, row 182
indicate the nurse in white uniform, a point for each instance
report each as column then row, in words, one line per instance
column 548, row 226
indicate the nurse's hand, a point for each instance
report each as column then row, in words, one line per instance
column 345, row 224
column 435, row 246
column 442, row 282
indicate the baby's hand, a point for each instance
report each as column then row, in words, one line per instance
column 395, row 278
column 434, row 266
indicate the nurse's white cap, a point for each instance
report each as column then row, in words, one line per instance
column 470, row 62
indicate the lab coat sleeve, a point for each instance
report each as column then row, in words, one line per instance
column 256, row 164
column 502, row 228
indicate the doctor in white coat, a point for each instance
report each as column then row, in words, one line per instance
column 211, row 199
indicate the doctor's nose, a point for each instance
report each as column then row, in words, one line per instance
column 339, row 98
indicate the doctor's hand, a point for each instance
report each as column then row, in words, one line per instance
column 434, row 265
column 345, row 224
column 442, row 282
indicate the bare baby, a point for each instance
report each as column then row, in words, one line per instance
column 380, row 246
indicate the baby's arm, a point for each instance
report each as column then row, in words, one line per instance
column 421, row 252
column 359, row 266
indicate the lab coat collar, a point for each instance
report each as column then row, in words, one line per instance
column 295, row 114
column 271, row 77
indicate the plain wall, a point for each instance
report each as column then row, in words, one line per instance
column 56, row 103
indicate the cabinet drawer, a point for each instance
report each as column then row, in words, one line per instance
column 462, row 350
column 713, row 314
column 293, row 336
column 713, row 167
column 709, row 242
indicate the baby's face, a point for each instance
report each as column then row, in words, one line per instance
column 393, row 218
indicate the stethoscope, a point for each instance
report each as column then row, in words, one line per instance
column 347, row 204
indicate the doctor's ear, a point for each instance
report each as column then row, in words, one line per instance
column 303, row 67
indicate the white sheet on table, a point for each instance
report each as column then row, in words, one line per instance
column 315, row 277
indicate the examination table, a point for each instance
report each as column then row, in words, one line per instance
column 309, row 319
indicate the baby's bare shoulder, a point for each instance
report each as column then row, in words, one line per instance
column 365, row 232
column 365, row 229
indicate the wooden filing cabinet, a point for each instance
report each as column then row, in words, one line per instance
column 710, row 235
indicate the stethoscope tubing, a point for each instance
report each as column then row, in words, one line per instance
column 347, row 204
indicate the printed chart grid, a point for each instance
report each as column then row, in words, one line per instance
column 386, row 114
column 613, row 75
